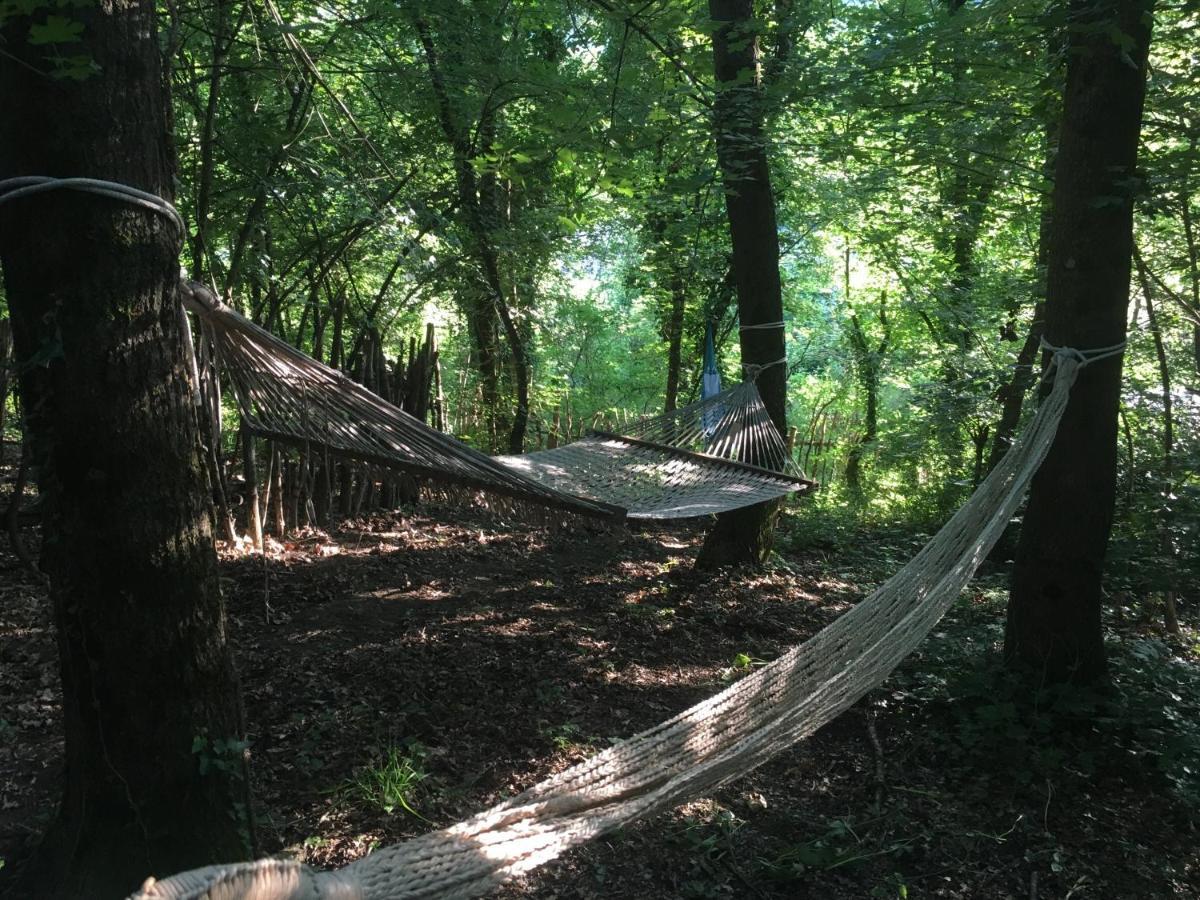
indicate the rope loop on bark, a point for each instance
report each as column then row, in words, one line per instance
column 1083, row 357
column 28, row 185
column 753, row 370
column 764, row 326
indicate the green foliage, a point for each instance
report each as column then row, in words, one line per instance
column 1007, row 729
column 839, row 845
column 392, row 781
column 710, row 837
column 566, row 735
column 908, row 154
column 55, row 30
column 222, row 755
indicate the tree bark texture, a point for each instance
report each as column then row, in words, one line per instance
column 1053, row 625
column 154, row 777
column 747, row 535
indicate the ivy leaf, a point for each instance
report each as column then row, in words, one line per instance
column 75, row 68
column 49, row 351
column 55, row 30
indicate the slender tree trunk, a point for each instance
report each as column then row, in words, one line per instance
column 1164, row 370
column 1193, row 260
column 868, row 366
column 1012, row 393
column 1165, row 512
column 5, row 354
column 675, row 339
column 149, row 690
column 301, row 95
column 250, row 472
column 223, row 35
column 277, row 510
column 747, row 535
column 491, row 306
column 1053, row 625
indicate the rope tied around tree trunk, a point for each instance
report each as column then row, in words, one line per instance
column 753, row 370
column 29, row 185
column 34, row 185
column 1083, row 357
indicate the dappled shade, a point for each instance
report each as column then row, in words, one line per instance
column 708, row 745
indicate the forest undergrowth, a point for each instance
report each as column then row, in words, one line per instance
column 407, row 670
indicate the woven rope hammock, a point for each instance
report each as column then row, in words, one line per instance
column 689, row 755
column 720, row 454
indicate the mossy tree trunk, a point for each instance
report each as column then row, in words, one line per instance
column 154, row 774
column 1053, row 623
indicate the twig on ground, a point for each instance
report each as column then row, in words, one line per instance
column 880, row 774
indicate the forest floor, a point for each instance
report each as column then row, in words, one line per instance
column 408, row 670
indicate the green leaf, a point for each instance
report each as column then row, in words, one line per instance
column 75, row 68
column 55, row 30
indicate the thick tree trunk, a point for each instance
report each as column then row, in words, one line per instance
column 1053, row 623
column 747, row 535
column 154, row 773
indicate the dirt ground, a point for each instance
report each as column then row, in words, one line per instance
column 487, row 654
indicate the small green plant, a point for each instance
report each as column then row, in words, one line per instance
column 894, row 887
column 222, row 755
column 1020, row 731
column 567, row 735
column 712, row 836
column 742, row 664
column 564, row 735
column 391, row 782
column 839, row 845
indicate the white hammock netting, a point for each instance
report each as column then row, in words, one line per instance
column 671, row 467
column 689, row 755
column 674, row 466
